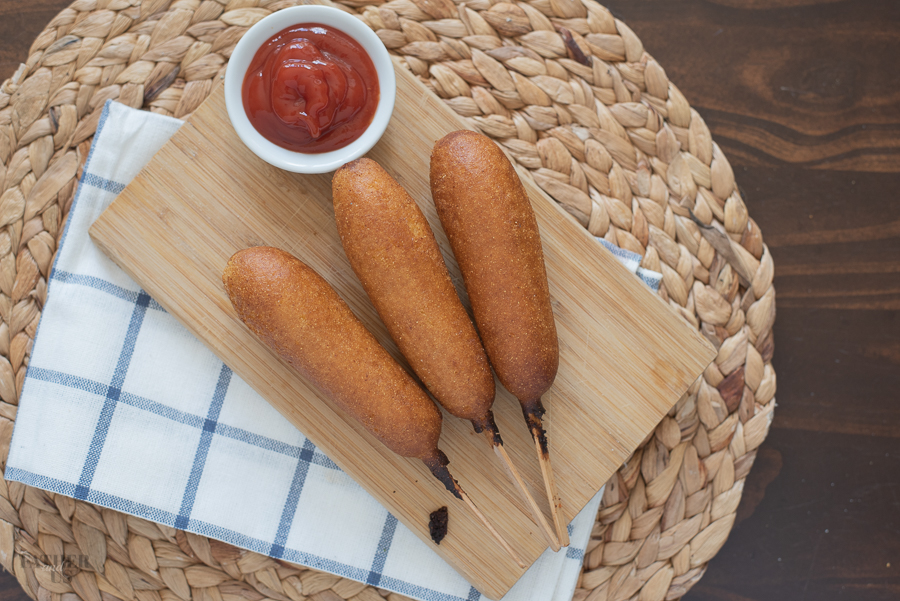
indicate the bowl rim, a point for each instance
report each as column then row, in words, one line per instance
column 244, row 52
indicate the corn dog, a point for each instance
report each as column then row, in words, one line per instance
column 300, row 316
column 393, row 252
column 293, row 310
column 494, row 234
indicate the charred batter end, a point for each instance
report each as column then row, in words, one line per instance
column 437, row 524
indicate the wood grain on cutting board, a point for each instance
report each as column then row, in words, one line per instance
column 625, row 357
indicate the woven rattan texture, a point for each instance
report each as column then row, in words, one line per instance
column 570, row 92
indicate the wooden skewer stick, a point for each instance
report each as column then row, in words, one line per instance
column 485, row 521
column 536, row 425
column 513, row 474
column 552, row 495
column 441, row 472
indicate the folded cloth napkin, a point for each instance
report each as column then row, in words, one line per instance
column 122, row 407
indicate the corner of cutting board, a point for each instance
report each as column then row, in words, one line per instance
column 101, row 234
column 704, row 351
column 98, row 232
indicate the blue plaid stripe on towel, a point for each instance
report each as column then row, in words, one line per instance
column 122, row 407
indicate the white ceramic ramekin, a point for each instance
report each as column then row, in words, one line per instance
column 240, row 61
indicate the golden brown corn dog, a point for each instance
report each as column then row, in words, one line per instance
column 301, row 317
column 494, row 234
column 394, row 254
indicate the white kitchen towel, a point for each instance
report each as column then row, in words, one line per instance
column 124, row 408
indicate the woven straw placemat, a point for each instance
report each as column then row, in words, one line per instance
column 570, row 92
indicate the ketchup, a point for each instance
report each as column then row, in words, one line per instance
column 311, row 88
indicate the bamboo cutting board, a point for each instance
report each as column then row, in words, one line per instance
column 625, row 357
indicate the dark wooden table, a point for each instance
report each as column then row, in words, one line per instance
column 804, row 98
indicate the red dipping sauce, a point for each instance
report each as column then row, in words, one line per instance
column 311, row 88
